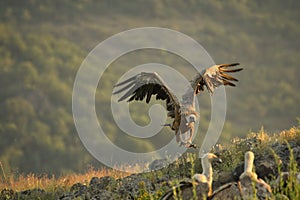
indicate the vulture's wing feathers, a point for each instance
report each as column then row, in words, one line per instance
column 144, row 85
column 215, row 76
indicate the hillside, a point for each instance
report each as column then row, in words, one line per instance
column 42, row 45
column 274, row 153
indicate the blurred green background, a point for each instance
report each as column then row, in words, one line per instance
column 42, row 44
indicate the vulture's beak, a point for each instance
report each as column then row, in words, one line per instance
column 217, row 160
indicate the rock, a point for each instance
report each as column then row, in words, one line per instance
column 105, row 195
column 131, row 186
column 237, row 172
column 67, row 196
column 283, row 152
column 79, row 189
column 98, row 185
column 224, row 177
column 78, row 186
column 34, row 192
column 94, row 181
column 158, row 164
column 102, row 183
column 266, row 167
column 7, row 194
column 163, row 179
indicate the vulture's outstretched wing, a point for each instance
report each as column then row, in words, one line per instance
column 214, row 76
column 146, row 84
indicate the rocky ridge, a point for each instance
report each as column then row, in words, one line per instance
column 270, row 157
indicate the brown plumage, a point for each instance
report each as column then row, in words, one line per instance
column 146, row 84
column 248, row 186
column 200, row 185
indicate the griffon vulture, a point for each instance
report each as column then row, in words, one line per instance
column 145, row 84
column 201, row 183
column 248, row 186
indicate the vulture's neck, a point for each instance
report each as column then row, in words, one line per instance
column 207, row 171
column 188, row 98
column 248, row 165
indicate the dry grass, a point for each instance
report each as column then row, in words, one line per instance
column 30, row 181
